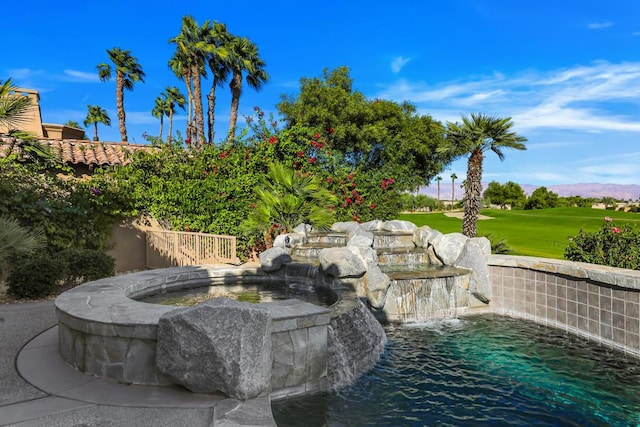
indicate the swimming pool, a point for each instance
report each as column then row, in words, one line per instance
column 481, row 370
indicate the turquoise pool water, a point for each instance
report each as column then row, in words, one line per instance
column 481, row 370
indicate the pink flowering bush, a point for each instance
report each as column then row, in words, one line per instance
column 611, row 245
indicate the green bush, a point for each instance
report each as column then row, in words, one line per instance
column 35, row 277
column 611, row 245
column 85, row 265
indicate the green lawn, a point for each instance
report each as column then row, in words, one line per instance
column 542, row 232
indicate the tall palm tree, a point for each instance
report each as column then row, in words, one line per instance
column 12, row 106
column 175, row 99
column 95, row 115
column 219, row 64
column 474, row 137
column 438, row 179
column 128, row 72
column 160, row 109
column 179, row 65
column 194, row 45
column 453, row 189
column 244, row 57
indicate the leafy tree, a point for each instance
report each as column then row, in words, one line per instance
column 128, row 72
column 541, row 198
column 286, row 198
column 420, row 202
column 608, row 202
column 473, row 137
column 12, row 106
column 244, row 58
column 370, row 136
column 576, row 201
column 95, row 115
column 508, row 194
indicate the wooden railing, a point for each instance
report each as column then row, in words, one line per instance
column 176, row 248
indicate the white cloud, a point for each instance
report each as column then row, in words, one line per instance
column 583, row 98
column 398, row 63
column 81, row 76
column 599, row 25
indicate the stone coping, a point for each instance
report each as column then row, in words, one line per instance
column 105, row 306
column 620, row 277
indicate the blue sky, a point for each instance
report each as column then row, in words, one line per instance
column 567, row 72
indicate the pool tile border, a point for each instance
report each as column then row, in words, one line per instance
column 599, row 303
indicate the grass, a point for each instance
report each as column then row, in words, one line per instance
column 541, row 232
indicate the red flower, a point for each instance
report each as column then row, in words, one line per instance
column 331, row 131
column 316, row 135
column 273, row 140
column 329, row 180
column 372, row 205
column 354, row 192
column 223, row 155
column 608, row 218
column 348, row 200
column 274, row 124
column 355, row 217
column 312, row 160
column 616, row 230
column 350, row 177
column 300, row 153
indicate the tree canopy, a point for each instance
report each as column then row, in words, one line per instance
column 370, row 135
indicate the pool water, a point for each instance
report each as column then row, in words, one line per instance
column 255, row 293
column 481, row 370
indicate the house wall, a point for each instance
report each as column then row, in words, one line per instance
column 31, row 119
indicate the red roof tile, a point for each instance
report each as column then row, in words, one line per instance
column 74, row 152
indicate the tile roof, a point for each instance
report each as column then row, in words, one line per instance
column 75, row 152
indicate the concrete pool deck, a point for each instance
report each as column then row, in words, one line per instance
column 38, row 389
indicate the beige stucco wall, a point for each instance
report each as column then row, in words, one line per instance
column 129, row 247
column 31, row 119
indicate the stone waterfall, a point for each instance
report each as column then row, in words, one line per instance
column 392, row 270
column 404, row 273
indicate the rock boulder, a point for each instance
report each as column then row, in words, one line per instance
column 221, row 345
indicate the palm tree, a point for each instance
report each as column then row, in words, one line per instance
column 160, row 109
column 128, row 72
column 453, row 189
column 12, row 105
column 95, row 115
column 175, row 99
column 438, row 179
column 473, row 137
column 179, row 65
column 244, row 57
column 219, row 64
column 194, row 45
column 288, row 198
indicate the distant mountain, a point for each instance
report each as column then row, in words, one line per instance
column 617, row 191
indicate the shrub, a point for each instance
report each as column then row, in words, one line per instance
column 85, row 265
column 498, row 245
column 611, row 245
column 35, row 277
